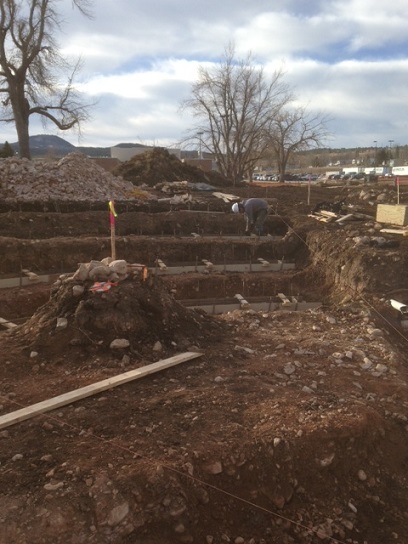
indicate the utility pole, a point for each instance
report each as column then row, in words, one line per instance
column 375, row 152
column 390, row 142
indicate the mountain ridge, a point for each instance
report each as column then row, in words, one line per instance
column 50, row 145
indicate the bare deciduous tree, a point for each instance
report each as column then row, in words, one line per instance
column 30, row 63
column 292, row 130
column 233, row 103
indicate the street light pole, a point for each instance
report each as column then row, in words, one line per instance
column 390, row 142
column 375, row 153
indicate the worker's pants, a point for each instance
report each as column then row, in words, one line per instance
column 259, row 220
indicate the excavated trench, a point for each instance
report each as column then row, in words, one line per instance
column 203, row 257
column 200, row 255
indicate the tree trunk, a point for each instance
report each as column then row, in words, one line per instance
column 21, row 112
column 23, row 137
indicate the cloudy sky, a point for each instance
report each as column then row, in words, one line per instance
column 345, row 58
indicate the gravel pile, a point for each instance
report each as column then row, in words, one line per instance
column 73, row 178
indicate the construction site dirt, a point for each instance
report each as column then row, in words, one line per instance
column 288, row 424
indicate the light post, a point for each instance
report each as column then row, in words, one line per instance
column 375, row 152
column 390, row 146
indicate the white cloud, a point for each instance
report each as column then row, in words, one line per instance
column 345, row 57
column 142, row 83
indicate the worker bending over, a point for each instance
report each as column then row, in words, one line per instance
column 255, row 211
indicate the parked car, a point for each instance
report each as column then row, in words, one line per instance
column 360, row 175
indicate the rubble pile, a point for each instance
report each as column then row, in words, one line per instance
column 373, row 194
column 113, row 304
column 73, row 178
column 158, row 166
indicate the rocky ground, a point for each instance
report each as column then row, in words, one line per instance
column 288, row 427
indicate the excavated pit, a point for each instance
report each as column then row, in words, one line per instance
column 235, row 263
column 287, row 430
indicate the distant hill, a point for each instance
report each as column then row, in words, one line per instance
column 43, row 145
column 47, row 145
column 127, row 145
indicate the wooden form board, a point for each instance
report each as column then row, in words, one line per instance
column 248, row 267
column 93, row 389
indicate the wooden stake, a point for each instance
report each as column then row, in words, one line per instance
column 112, row 216
column 113, row 242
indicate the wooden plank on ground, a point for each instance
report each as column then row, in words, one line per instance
column 32, row 276
column 363, row 216
column 6, row 323
column 243, row 303
column 284, row 299
column 320, row 218
column 225, row 197
column 326, row 213
column 345, row 218
column 93, row 389
column 395, row 231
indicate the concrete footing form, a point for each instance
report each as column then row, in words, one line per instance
column 258, row 304
column 161, row 269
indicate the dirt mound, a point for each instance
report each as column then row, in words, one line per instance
column 136, row 314
column 158, row 165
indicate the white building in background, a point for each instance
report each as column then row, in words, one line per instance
column 377, row 170
column 400, row 170
column 126, row 152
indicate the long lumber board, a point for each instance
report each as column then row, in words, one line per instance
column 402, row 231
column 93, row 389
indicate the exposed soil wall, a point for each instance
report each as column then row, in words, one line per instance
column 60, row 254
column 180, row 223
column 358, row 270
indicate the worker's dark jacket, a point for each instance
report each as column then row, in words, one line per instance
column 252, row 206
